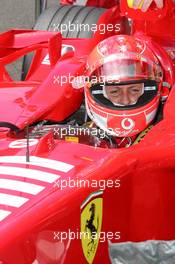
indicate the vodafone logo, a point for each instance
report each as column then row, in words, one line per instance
column 22, row 143
column 127, row 123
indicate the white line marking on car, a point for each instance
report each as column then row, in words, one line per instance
column 12, row 200
column 37, row 161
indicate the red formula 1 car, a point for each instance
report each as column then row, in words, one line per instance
column 71, row 197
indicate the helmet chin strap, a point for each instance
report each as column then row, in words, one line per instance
column 118, row 104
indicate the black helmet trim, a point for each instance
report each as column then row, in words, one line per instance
column 150, row 91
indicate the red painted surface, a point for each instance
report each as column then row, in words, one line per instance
column 141, row 209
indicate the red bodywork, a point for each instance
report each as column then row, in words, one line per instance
column 33, row 208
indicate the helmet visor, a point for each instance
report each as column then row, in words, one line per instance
column 126, row 95
column 122, row 95
column 116, row 69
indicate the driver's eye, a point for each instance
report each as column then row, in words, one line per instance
column 115, row 91
column 135, row 90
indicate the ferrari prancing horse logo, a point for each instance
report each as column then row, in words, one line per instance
column 91, row 223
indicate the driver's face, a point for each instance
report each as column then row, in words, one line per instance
column 124, row 94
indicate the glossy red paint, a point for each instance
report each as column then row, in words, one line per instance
column 142, row 208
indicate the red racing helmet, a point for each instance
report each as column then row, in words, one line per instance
column 123, row 67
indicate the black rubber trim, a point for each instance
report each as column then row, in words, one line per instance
column 45, row 19
column 9, row 125
column 77, row 15
column 75, row 21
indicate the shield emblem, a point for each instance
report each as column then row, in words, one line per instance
column 91, row 223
